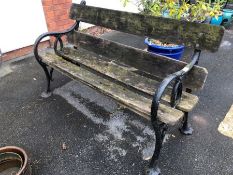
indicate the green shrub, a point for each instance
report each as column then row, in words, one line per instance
column 180, row 9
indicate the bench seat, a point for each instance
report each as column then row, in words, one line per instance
column 125, row 84
column 141, row 81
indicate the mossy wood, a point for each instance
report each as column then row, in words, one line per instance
column 155, row 65
column 194, row 35
column 132, row 100
column 126, row 76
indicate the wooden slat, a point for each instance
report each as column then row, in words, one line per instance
column 126, row 97
column 126, row 75
column 156, row 65
column 195, row 35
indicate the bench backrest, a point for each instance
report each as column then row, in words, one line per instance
column 194, row 35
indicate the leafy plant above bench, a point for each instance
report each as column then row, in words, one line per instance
column 180, row 9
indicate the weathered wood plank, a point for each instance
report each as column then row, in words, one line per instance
column 126, row 75
column 142, row 60
column 124, row 96
column 195, row 35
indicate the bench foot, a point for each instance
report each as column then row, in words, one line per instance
column 153, row 171
column 186, row 129
column 160, row 129
column 46, row 94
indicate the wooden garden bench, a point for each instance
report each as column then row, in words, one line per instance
column 153, row 86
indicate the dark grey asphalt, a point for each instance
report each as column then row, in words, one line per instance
column 94, row 144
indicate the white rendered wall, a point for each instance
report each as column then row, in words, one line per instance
column 21, row 21
column 109, row 4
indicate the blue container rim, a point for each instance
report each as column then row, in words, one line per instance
column 228, row 10
column 169, row 54
column 147, row 42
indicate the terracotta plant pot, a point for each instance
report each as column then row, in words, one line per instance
column 14, row 161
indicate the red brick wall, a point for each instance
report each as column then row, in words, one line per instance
column 57, row 14
column 22, row 51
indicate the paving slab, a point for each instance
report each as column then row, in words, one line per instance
column 79, row 131
column 226, row 126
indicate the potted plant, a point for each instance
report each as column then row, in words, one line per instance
column 166, row 49
column 227, row 17
column 200, row 11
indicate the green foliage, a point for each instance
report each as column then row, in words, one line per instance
column 180, row 9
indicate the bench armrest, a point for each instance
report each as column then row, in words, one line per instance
column 57, row 35
column 177, row 86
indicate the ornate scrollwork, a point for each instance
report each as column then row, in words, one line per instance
column 160, row 128
column 176, row 92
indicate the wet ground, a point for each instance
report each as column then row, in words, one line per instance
column 78, row 131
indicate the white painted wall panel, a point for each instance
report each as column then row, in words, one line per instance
column 21, row 22
column 110, row 4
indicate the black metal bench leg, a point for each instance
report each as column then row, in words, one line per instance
column 186, row 129
column 159, row 133
column 49, row 75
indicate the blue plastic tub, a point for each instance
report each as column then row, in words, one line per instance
column 227, row 17
column 174, row 52
column 216, row 21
